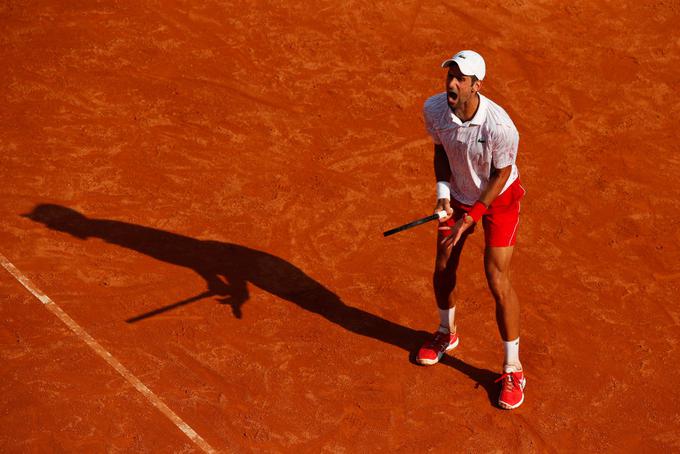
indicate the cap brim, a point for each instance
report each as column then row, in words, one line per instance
column 463, row 69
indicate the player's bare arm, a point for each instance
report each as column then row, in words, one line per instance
column 442, row 172
column 496, row 184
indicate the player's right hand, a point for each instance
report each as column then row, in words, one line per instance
column 444, row 205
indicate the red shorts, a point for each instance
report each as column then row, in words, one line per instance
column 500, row 221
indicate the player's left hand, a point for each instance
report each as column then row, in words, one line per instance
column 457, row 230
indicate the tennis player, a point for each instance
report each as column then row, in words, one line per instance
column 475, row 147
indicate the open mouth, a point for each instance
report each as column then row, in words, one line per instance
column 452, row 95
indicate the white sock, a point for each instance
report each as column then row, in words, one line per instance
column 512, row 355
column 446, row 320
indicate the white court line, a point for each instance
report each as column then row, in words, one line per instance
column 101, row 351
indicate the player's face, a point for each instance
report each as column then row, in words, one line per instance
column 458, row 87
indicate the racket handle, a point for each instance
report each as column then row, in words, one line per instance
column 432, row 217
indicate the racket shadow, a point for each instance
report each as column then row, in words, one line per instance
column 227, row 269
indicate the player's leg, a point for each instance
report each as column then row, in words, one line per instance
column 497, row 268
column 444, row 284
column 444, row 278
column 500, row 230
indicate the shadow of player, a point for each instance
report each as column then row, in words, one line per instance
column 228, row 267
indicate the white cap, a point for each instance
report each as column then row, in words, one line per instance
column 469, row 62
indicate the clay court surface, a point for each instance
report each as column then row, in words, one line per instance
column 202, row 187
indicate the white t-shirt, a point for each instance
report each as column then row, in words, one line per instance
column 489, row 139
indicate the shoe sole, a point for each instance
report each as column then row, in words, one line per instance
column 507, row 406
column 432, row 362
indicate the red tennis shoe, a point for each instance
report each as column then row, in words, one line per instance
column 433, row 350
column 512, row 389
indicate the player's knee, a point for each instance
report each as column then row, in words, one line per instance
column 444, row 276
column 442, row 260
column 440, row 265
column 499, row 284
column 443, row 286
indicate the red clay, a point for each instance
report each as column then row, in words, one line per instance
column 163, row 150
